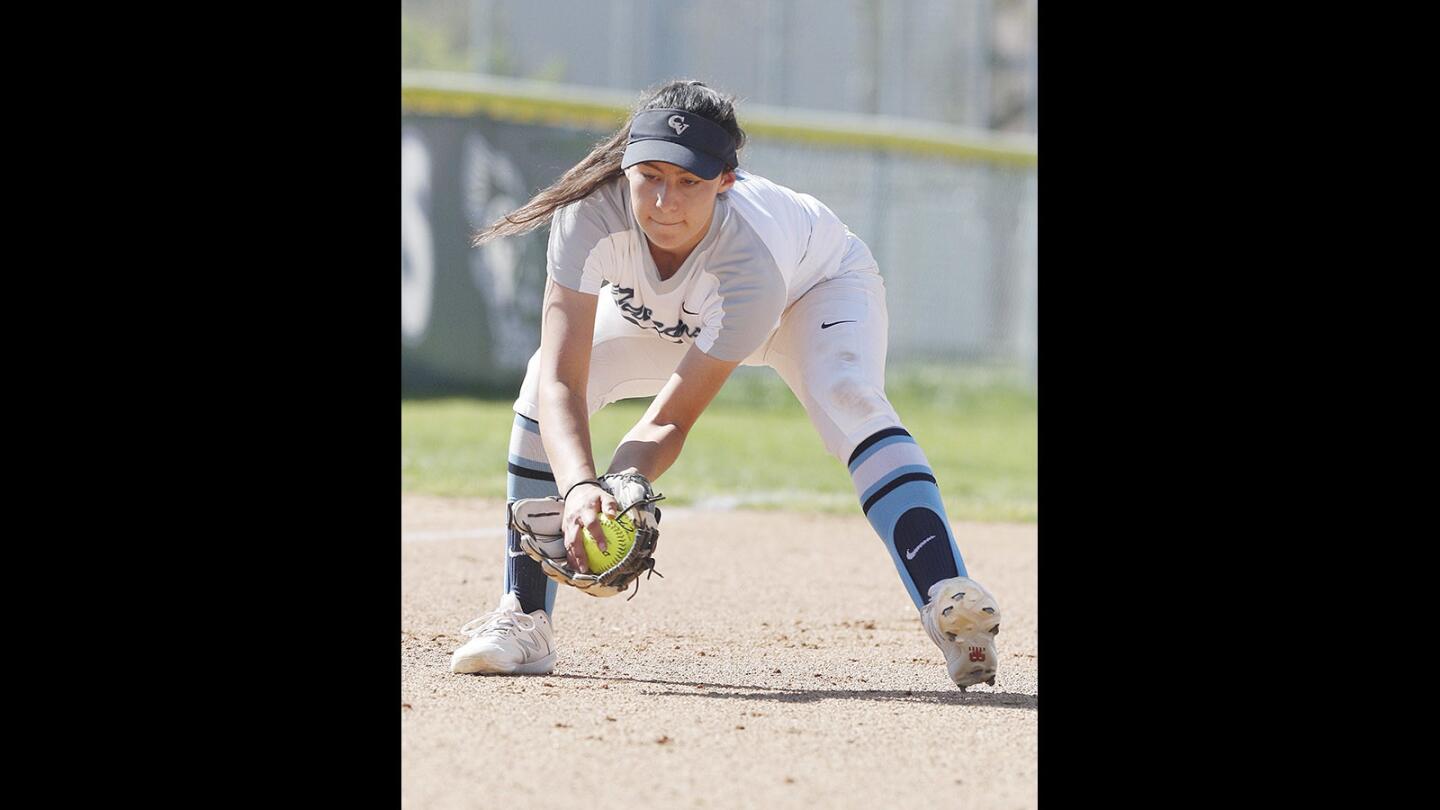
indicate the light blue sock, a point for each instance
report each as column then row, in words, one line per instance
column 898, row 493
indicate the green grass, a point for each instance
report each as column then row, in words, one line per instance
column 754, row 446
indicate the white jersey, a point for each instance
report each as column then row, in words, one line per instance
column 767, row 246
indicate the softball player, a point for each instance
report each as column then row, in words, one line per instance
column 668, row 266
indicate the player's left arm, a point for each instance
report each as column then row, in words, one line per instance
column 655, row 442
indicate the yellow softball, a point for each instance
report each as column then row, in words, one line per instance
column 619, row 537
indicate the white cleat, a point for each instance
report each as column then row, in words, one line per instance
column 507, row 642
column 962, row 619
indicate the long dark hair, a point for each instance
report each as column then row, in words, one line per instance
column 603, row 163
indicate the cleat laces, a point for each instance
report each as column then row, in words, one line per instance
column 499, row 622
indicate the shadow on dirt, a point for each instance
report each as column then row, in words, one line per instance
column 781, row 694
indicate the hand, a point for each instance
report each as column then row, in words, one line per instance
column 583, row 508
column 550, row 532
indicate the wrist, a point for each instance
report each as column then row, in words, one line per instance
column 589, row 481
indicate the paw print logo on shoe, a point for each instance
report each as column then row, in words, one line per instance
column 977, row 653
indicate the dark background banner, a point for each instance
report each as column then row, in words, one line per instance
column 470, row 316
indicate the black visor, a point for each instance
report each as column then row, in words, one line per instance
column 692, row 142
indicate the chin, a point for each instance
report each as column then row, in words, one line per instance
column 667, row 240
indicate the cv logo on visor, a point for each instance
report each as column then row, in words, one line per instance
column 678, row 124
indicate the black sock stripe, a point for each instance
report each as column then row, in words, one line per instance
column 536, row 474
column 888, row 488
column 526, row 418
column 875, row 437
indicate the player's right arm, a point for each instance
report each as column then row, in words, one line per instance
column 567, row 329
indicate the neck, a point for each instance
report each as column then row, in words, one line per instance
column 667, row 261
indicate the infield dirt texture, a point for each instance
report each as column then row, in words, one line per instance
column 779, row 663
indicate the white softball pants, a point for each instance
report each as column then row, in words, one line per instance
column 837, row 372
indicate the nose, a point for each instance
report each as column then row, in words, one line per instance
column 664, row 194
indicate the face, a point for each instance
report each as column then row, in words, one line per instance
column 672, row 205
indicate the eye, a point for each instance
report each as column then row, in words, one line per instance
column 689, row 182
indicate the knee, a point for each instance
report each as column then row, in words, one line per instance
column 854, row 399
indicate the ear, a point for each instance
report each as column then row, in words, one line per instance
column 727, row 179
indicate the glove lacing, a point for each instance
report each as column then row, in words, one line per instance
column 650, row 569
column 649, row 563
column 503, row 622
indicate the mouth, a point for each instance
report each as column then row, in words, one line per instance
column 666, row 224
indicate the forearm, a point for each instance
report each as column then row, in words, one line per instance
column 649, row 449
column 565, row 432
column 653, row 445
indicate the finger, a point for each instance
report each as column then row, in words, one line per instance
column 611, row 506
column 575, row 547
column 597, row 531
column 575, row 555
column 590, row 519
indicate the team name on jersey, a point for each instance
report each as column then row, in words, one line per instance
column 642, row 316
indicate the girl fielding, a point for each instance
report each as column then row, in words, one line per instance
column 668, row 266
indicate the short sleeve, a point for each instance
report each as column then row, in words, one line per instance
column 746, row 308
column 579, row 246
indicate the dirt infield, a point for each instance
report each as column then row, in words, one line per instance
column 779, row 663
